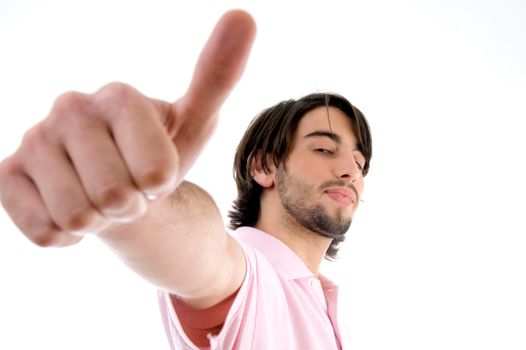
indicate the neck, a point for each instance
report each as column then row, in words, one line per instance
column 308, row 245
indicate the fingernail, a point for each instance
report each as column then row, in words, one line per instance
column 159, row 191
column 134, row 208
column 96, row 225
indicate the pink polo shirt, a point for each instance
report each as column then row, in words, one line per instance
column 280, row 304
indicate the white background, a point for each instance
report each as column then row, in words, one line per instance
column 436, row 257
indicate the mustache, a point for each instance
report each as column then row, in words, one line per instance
column 341, row 183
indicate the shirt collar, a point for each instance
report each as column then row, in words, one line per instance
column 284, row 260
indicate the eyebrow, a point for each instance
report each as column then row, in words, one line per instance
column 320, row 133
column 334, row 137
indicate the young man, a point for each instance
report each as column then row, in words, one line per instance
column 118, row 161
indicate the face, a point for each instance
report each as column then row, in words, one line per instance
column 321, row 182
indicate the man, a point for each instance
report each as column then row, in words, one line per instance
column 113, row 163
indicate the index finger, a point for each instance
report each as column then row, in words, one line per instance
column 218, row 68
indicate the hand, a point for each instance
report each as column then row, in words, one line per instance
column 97, row 158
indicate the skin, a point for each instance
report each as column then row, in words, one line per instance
column 112, row 163
column 316, row 167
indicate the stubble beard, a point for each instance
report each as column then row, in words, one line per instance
column 295, row 196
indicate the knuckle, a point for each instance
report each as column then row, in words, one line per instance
column 221, row 77
column 117, row 100
column 8, row 168
column 70, row 110
column 69, row 103
column 116, row 92
column 222, row 74
column 33, row 135
column 33, row 140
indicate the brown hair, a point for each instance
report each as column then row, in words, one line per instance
column 271, row 134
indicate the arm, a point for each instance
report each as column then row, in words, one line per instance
column 180, row 245
column 113, row 163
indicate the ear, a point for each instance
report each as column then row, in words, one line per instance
column 264, row 178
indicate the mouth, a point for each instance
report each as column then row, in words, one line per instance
column 343, row 196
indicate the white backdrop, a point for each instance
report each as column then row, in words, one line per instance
column 436, row 256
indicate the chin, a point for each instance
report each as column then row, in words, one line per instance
column 327, row 226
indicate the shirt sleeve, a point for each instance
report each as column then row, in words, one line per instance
column 239, row 319
column 199, row 323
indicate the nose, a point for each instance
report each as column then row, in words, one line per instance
column 347, row 168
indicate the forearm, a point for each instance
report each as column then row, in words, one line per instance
column 108, row 148
column 181, row 245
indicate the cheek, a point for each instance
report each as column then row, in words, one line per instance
column 308, row 169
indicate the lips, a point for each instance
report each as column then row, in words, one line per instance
column 341, row 195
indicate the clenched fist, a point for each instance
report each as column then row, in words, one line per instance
column 99, row 159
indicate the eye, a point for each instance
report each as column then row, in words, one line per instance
column 324, row 151
column 360, row 161
column 360, row 166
